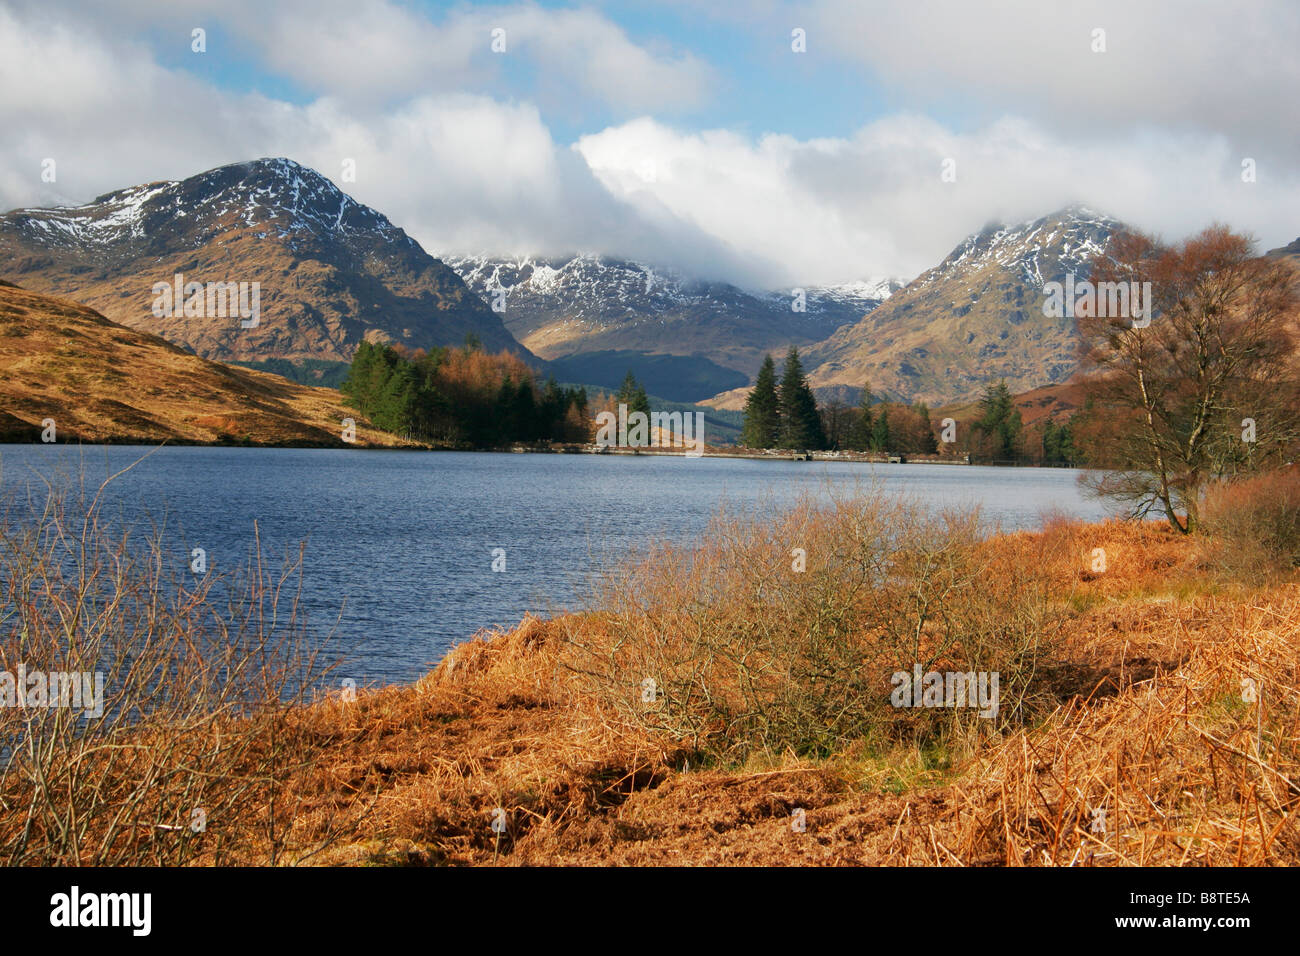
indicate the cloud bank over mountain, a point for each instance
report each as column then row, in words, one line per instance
column 586, row 134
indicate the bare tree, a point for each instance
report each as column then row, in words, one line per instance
column 1198, row 382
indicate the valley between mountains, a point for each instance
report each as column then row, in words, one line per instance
column 332, row 273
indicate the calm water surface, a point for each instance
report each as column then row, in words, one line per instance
column 400, row 544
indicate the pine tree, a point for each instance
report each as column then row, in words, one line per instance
column 762, row 409
column 801, row 426
column 1000, row 421
column 632, row 394
column 550, row 410
column 881, row 437
column 1058, row 443
column 504, row 426
column 926, row 444
column 517, row 407
column 395, row 405
column 860, row 433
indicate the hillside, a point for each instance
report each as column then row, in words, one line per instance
column 1036, row 406
column 332, row 272
column 1290, row 252
column 103, row 382
column 974, row 318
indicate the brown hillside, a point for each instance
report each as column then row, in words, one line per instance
column 103, row 382
column 1036, row 406
column 974, row 318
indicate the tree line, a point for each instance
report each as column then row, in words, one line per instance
column 462, row 397
column 785, row 414
column 1201, row 389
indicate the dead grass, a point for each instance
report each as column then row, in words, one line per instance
column 1147, row 724
column 1254, row 524
column 1186, row 771
column 61, row 360
column 1140, row 713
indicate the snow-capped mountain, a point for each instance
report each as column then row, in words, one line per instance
column 975, row 317
column 584, row 304
column 1066, row 241
column 331, row 271
column 277, row 197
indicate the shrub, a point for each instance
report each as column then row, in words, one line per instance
column 747, row 654
column 187, row 755
column 1254, row 523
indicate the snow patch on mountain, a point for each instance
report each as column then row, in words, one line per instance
column 1071, row 239
column 594, row 285
column 290, row 200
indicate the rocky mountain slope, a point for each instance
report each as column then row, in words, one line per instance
column 331, row 272
column 103, row 382
column 585, row 311
column 975, row 317
column 1290, row 252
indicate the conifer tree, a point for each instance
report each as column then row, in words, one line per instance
column 881, row 437
column 1000, row 421
column 632, row 394
column 801, row 426
column 860, row 433
column 926, row 443
column 762, row 409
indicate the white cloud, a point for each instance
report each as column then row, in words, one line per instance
column 1188, row 65
column 378, row 51
column 108, row 114
column 472, row 172
column 835, row 209
column 459, row 172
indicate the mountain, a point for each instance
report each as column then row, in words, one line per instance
column 975, row 317
column 597, row 315
column 104, row 382
column 330, row 271
column 1290, row 252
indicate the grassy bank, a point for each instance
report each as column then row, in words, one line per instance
column 1134, row 706
column 1148, row 714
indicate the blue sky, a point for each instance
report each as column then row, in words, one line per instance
column 697, row 140
column 761, row 86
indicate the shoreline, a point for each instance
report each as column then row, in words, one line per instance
column 572, row 449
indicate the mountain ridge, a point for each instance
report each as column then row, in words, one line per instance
column 332, row 271
column 568, row 306
column 976, row 316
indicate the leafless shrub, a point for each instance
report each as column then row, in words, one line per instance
column 196, row 730
column 730, row 646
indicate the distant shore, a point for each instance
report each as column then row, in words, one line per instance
column 561, row 449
